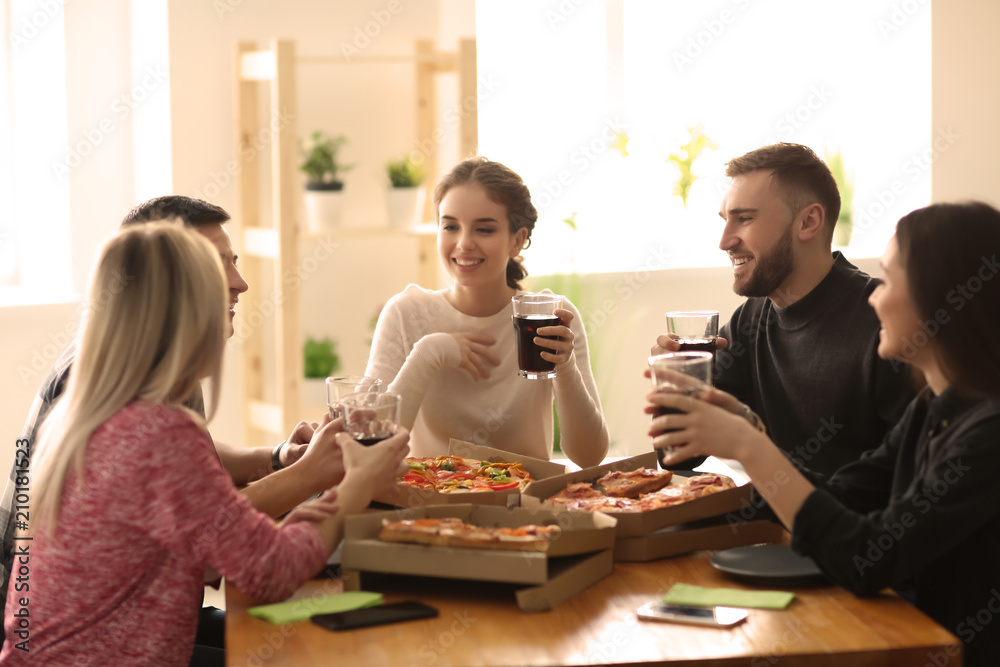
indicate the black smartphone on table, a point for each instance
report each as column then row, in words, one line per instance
column 395, row 612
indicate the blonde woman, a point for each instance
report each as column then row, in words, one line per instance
column 129, row 502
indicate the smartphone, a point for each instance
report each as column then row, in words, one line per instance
column 377, row 615
column 719, row 617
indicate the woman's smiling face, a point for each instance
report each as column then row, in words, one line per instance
column 474, row 238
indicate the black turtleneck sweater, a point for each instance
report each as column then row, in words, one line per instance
column 811, row 371
column 923, row 512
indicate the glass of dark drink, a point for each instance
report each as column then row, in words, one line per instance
column 532, row 312
column 687, row 373
column 337, row 389
column 371, row 417
column 694, row 330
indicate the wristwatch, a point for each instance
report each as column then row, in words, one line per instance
column 276, row 455
column 754, row 419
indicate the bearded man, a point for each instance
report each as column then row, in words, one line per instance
column 800, row 352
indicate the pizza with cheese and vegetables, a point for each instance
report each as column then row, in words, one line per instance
column 453, row 532
column 449, row 474
column 594, row 496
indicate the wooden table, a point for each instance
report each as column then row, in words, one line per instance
column 480, row 624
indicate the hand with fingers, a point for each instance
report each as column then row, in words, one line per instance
column 377, row 466
column 478, row 358
column 323, row 455
column 699, row 427
column 560, row 349
column 664, row 344
column 298, row 441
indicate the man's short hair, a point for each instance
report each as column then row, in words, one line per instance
column 193, row 212
column 802, row 176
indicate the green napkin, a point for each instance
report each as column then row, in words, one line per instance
column 300, row 610
column 727, row 597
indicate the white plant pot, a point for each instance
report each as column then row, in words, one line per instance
column 323, row 211
column 405, row 206
column 313, row 392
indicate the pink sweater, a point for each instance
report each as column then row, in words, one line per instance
column 120, row 580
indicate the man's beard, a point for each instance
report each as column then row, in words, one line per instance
column 772, row 269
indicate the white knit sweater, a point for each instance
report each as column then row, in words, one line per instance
column 414, row 353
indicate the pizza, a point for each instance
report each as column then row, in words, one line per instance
column 453, row 532
column 593, row 496
column 633, row 483
column 448, row 474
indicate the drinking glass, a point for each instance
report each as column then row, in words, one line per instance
column 337, row 389
column 371, row 417
column 685, row 373
column 695, row 330
column 531, row 312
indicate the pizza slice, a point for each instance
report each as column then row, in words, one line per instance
column 633, row 483
column 453, row 532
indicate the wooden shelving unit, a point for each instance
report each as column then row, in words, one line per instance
column 274, row 248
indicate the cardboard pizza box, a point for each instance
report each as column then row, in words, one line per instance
column 707, row 534
column 410, row 497
column 637, row 524
column 579, row 556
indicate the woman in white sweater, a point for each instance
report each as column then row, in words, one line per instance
column 451, row 353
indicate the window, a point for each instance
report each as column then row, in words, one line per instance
column 34, row 199
column 573, row 78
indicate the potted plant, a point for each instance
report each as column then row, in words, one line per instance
column 323, row 184
column 319, row 361
column 845, row 183
column 405, row 197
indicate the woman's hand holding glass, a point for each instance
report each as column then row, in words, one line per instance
column 559, row 351
column 376, row 467
column 704, row 428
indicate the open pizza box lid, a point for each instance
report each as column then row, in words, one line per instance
column 635, row 524
column 578, row 557
column 411, row 497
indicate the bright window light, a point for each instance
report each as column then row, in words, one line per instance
column 34, row 200
column 572, row 78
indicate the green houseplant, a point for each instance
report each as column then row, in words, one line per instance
column 324, row 182
column 319, row 361
column 405, row 197
column 845, row 183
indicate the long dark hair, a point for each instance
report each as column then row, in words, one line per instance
column 504, row 187
column 949, row 252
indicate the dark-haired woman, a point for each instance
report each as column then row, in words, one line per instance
column 451, row 353
column 922, row 511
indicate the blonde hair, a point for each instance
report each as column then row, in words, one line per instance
column 154, row 324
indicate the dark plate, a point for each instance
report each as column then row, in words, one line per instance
column 769, row 564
